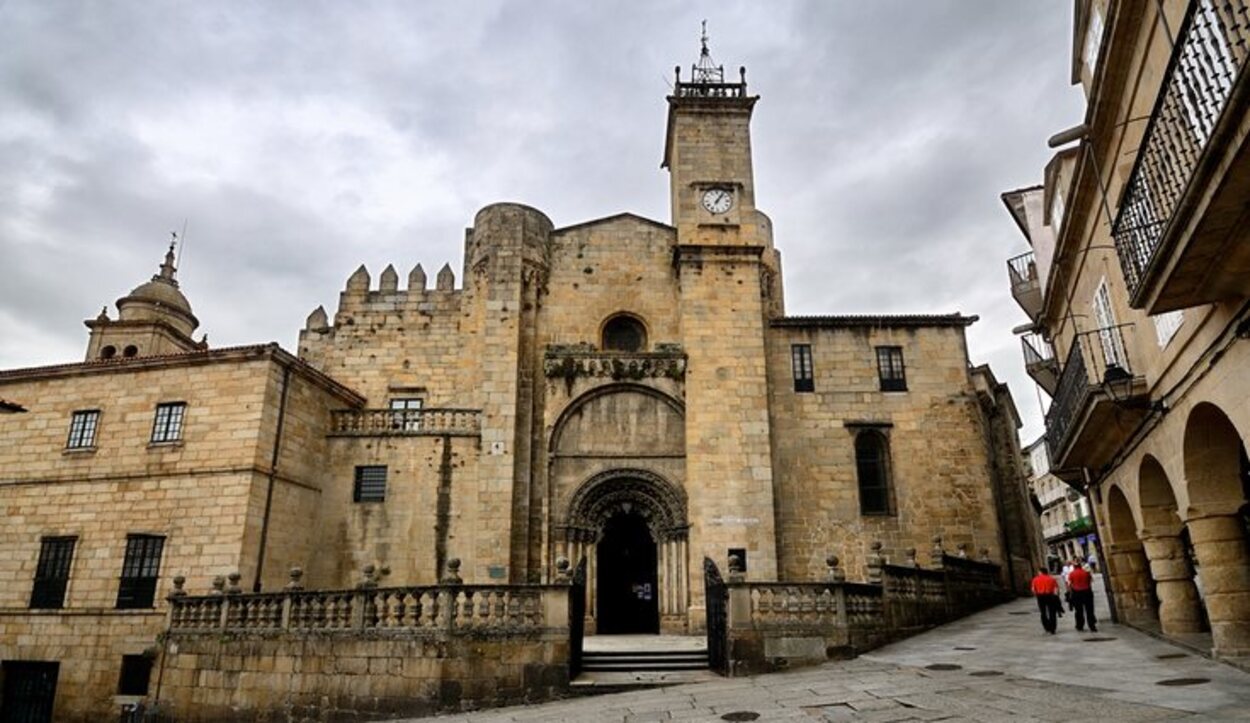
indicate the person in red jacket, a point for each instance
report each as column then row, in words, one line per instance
column 1080, row 583
column 1046, row 590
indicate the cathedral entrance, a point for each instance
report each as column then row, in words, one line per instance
column 627, row 584
column 629, row 525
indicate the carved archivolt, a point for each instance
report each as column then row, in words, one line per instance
column 658, row 501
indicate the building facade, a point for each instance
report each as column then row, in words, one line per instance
column 1137, row 287
column 1063, row 513
column 625, row 391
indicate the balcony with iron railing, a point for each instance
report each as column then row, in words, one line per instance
column 1098, row 402
column 1025, row 285
column 1079, row 526
column 1180, row 232
column 1040, row 362
column 405, row 423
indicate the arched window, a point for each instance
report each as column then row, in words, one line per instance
column 624, row 333
column 130, row 351
column 108, row 352
column 872, row 467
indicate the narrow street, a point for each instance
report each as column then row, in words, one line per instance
column 993, row 666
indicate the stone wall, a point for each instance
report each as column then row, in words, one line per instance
column 938, row 455
column 368, row 653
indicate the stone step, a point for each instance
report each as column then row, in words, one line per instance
column 645, row 660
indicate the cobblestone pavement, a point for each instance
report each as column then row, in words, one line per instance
column 1007, row 670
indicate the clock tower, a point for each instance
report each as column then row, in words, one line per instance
column 727, row 271
column 708, row 154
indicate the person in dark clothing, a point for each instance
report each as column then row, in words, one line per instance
column 1081, row 583
column 1046, row 590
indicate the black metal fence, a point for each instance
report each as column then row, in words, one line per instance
column 1093, row 357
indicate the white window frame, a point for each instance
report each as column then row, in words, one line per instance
column 1113, row 351
column 1094, row 31
column 1167, row 324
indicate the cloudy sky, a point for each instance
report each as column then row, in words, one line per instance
column 299, row 139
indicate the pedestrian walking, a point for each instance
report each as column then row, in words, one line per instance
column 1046, row 590
column 1081, row 588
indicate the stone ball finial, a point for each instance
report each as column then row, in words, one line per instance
column 876, row 546
column 452, row 576
column 835, row 573
column 219, row 585
column 297, row 577
column 233, row 587
column 564, row 571
column 179, row 582
column 910, row 554
column 985, row 554
column 962, row 549
column 735, row 563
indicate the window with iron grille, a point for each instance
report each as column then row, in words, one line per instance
column 890, row 369
column 82, row 427
column 136, row 674
column 167, row 427
column 407, row 413
column 56, row 554
column 801, row 362
column 872, row 467
column 370, row 484
column 140, row 569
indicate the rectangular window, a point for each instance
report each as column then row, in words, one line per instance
column 140, row 570
column 890, row 369
column 801, row 361
column 52, row 572
column 370, row 484
column 407, row 414
column 1166, row 325
column 136, row 674
column 167, row 426
column 82, row 426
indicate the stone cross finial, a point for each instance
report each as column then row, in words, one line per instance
column 233, row 587
column 836, row 574
column 875, row 561
column 297, row 579
column 564, row 571
column 179, row 581
column 452, row 576
column 219, row 586
column 911, row 558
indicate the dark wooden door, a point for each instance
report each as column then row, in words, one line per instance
column 628, row 595
column 29, row 690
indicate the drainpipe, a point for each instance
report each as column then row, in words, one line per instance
column 273, row 473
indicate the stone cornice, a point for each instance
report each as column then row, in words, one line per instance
column 877, row 321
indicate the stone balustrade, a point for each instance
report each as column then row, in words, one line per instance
column 450, row 609
column 773, row 625
column 405, row 422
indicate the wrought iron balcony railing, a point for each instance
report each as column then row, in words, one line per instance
column 1208, row 58
column 1036, row 350
column 405, row 422
column 1094, row 357
column 1022, row 270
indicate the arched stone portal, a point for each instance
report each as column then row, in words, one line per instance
column 1128, row 564
column 1166, row 543
column 639, row 519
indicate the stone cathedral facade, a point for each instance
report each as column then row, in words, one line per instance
column 624, row 390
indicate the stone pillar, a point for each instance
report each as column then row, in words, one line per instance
column 1180, row 608
column 1224, row 572
column 1131, row 582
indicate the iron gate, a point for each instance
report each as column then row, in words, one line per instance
column 715, row 596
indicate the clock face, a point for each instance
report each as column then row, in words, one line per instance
column 717, row 200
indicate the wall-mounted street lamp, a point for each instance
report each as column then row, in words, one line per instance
column 1117, row 382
